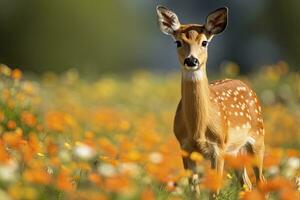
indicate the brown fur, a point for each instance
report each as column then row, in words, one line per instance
column 215, row 119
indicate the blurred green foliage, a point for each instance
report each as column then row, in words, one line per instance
column 59, row 34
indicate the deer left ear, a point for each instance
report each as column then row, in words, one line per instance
column 216, row 21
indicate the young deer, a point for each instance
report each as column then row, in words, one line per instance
column 216, row 119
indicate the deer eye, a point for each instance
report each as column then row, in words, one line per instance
column 178, row 43
column 204, row 43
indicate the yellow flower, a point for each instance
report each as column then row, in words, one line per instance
column 196, row 156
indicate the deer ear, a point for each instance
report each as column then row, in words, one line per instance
column 167, row 20
column 216, row 21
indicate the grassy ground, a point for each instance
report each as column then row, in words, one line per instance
column 63, row 137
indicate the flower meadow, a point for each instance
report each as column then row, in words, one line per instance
column 66, row 137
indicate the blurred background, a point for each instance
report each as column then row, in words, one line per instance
column 120, row 36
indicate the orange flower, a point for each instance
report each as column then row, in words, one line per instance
column 273, row 184
column 3, row 154
column 64, row 181
column 51, row 148
column 38, row 176
column 108, row 148
column 254, row 194
column 59, row 121
column 239, row 161
column 147, row 194
column 13, row 139
column 11, row 124
column 289, row 194
column 27, row 153
column 117, row 184
column 96, row 179
column 273, row 158
column 292, row 153
column 16, row 74
column 28, row 118
column 33, row 143
column 212, row 180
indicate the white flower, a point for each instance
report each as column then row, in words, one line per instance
column 292, row 165
column 156, row 157
column 293, row 162
column 131, row 168
column 274, row 170
column 84, row 151
column 8, row 171
column 107, row 170
column 50, row 170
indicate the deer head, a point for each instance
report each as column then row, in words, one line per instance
column 192, row 39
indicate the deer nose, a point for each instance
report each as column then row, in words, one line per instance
column 191, row 61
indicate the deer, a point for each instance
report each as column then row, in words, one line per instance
column 220, row 118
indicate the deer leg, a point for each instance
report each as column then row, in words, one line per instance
column 217, row 163
column 194, row 178
column 258, row 168
column 246, row 180
column 258, row 150
column 191, row 165
column 243, row 178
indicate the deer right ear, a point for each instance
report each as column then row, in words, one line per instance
column 167, row 20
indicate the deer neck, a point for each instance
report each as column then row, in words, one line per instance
column 195, row 102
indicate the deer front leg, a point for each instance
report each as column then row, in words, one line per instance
column 192, row 166
column 194, row 178
column 217, row 163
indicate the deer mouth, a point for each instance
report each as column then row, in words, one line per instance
column 193, row 68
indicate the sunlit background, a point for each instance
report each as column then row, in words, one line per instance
column 121, row 36
column 89, row 89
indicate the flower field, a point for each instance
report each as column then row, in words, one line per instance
column 64, row 137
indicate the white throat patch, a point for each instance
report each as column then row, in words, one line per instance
column 196, row 75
